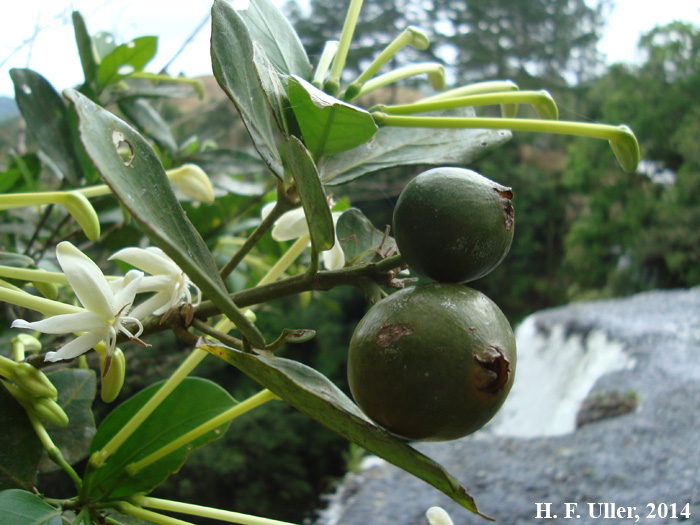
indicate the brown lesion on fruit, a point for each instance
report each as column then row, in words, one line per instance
column 494, row 369
column 390, row 333
column 506, row 195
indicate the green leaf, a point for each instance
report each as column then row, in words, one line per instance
column 315, row 395
column 393, row 147
column 271, row 29
column 328, row 125
column 85, row 49
column 8, row 179
column 193, row 402
column 20, row 448
column 76, row 392
column 360, row 240
column 126, row 59
column 313, row 199
column 149, row 122
column 15, row 260
column 104, row 43
column 177, row 87
column 140, row 183
column 228, row 162
column 19, row 507
column 232, row 55
column 274, row 91
column 45, row 114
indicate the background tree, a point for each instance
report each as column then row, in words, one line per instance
column 379, row 23
column 546, row 39
column 635, row 234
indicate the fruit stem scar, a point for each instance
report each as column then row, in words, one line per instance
column 507, row 203
column 390, row 333
column 494, row 369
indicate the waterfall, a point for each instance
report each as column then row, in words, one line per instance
column 556, row 369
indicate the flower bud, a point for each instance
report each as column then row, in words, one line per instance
column 113, row 377
column 191, row 180
column 29, row 343
column 33, row 381
column 626, row 148
column 84, row 214
column 419, row 40
column 48, row 290
column 436, row 78
column 250, row 315
column 49, row 411
column 438, row 516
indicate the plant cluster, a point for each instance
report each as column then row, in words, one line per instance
column 310, row 135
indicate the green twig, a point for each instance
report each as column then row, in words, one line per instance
column 53, row 452
column 322, row 280
column 283, row 204
column 228, row 340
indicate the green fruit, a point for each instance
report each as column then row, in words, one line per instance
column 453, row 225
column 432, row 362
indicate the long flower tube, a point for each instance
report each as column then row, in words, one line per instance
column 434, row 70
column 204, row 512
column 476, row 88
column 241, row 408
column 73, row 201
column 38, row 304
column 332, row 85
column 99, row 457
column 622, row 141
column 411, row 36
column 541, row 100
column 190, row 179
column 329, row 51
column 29, row 274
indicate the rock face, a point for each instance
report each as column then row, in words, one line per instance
column 604, row 415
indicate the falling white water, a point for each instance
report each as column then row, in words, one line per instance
column 555, row 373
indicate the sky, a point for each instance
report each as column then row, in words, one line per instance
column 53, row 52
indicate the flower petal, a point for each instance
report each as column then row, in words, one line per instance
column 124, row 297
column 334, row 259
column 266, row 209
column 64, row 323
column 291, row 225
column 157, row 283
column 76, row 347
column 151, row 260
column 158, row 304
column 86, row 279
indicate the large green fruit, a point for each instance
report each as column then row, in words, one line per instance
column 432, row 362
column 453, row 225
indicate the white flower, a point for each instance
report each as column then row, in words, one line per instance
column 105, row 307
column 292, row 225
column 167, row 279
column 438, row 516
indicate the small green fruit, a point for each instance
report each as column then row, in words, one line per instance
column 453, row 225
column 432, row 362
